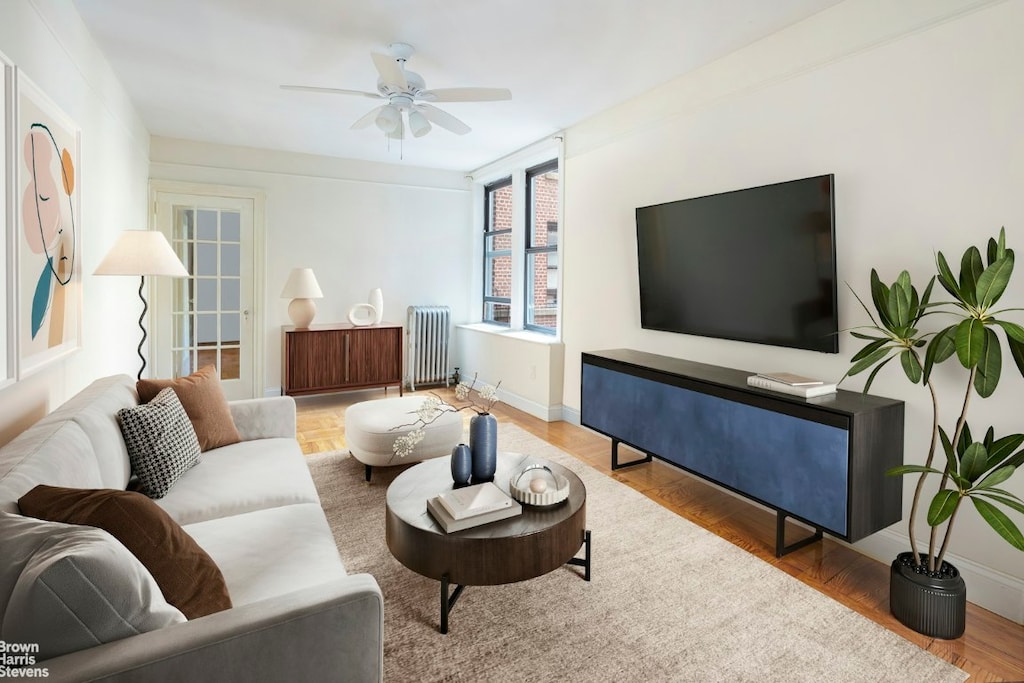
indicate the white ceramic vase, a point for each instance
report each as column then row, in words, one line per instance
column 377, row 301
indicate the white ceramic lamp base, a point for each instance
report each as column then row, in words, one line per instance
column 302, row 312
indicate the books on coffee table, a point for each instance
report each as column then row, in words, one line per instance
column 478, row 499
column 450, row 524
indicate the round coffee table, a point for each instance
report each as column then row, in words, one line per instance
column 523, row 547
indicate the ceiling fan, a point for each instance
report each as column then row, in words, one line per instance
column 406, row 99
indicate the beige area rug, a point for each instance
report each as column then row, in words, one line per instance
column 668, row 601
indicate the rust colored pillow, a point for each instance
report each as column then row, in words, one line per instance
column 203, row 399
column 187, row 576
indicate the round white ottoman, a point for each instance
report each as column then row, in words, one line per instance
column 370, row 431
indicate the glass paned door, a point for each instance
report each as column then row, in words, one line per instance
column 210, row 321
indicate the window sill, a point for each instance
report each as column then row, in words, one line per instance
column 525, row 335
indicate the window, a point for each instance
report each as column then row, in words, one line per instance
column 542, row 248
column 498, row 252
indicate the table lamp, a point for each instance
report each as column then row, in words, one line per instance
column 142, row 253
column 301, row 288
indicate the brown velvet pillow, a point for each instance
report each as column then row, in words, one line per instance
column 203, row 399
column 187, row 576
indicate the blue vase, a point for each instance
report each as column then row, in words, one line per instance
column 483, row 443
column 462, row 464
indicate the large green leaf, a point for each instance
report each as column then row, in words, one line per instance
column 899, row 308
column 990, row 365
column 1001, row 449
column 970, row 341
column 880, row 297
column 992, row 282
column 998, row 520
column 900, row 470
column 973, row 462
column 946, row 278
column 867, row 337
column 996, row 250
column 869, row 349
column 943, row 504
column 971, row 269
column 866, row 362
column 911, row 365
column 947, row 447
column 1014, row 504
column 1017, row 352
column 941, row 347
column 1012, row 330
column 995, row 478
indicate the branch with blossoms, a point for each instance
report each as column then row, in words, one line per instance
column 478, row 400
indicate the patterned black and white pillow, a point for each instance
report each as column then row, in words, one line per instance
column 162, row 444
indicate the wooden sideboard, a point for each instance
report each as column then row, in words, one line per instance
column 339, row 357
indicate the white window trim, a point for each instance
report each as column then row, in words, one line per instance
column 515, row 165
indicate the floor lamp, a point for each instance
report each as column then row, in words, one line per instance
column 142, row 253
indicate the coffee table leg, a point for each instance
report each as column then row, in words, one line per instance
column 585, row 560
column 448, row 602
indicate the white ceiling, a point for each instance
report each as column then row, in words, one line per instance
column 209, row 70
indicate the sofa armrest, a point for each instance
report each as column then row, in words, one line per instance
column 334, row 631
column 264, row 418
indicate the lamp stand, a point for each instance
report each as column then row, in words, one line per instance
column 145, row 307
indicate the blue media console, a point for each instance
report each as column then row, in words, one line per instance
column 820, row 460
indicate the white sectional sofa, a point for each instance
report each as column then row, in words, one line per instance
column 252, row 506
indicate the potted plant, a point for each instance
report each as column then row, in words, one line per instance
column 927, row 593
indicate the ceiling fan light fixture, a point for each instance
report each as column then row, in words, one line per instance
column 418, row 124
column 389, row 118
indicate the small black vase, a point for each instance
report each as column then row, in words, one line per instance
column 483, row 442
column 462, row 464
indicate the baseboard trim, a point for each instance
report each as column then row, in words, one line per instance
column 538, row 410
column 270, row 392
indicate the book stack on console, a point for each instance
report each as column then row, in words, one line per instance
column 472, row 506
column 788, row 383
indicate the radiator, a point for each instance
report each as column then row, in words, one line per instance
column 429, row 335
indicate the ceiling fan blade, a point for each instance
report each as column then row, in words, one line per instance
column 443, row 119
column 332, row 91
column 367, row 118
column 466, row 94
column 390, row 70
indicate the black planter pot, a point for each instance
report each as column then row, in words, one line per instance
column 935, row 607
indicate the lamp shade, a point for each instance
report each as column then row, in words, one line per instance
column 418, row 124
column 141, row 252
column 301, row 284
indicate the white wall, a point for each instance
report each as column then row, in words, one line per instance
column 48, row 42
column 915, row 107
column 358, row 225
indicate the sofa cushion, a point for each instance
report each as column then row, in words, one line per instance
column 57, row 453
column 77, row 587
column 162, row 444
column 203, row 398
column 240, row 478
column 187, row 576
column 296, row 550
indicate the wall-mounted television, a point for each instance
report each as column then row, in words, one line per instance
column 754, row 265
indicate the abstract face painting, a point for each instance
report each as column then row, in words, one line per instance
column 49, row 280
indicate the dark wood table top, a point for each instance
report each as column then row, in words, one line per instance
column 522, row 547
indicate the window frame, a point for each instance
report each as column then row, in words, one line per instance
column 490, row 255
column 531, row 249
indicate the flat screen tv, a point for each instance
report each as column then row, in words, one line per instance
column 754, row 265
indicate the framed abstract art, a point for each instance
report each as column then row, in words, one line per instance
column 7, row 329
column 47, row 235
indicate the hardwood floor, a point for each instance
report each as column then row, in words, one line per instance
column 992, row 649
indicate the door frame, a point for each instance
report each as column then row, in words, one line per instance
column 259, row 262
